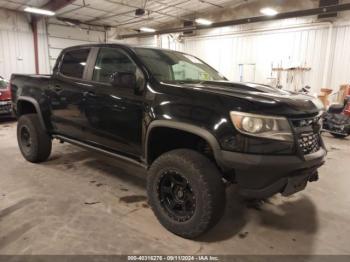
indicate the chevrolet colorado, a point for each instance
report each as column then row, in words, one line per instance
column 180, row 119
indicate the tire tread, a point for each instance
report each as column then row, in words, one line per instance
column 211, row 186
column 42, row 141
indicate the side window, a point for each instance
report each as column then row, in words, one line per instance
column 109, row 61
column 74, row 63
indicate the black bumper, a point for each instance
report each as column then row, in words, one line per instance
column 261, row 176
column 5, row 108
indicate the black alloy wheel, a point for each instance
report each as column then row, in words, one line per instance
column 176, row 196
column 26, row 140
column 186, row 192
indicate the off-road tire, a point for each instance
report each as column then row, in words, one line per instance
column 207, row 186
column 39, row 148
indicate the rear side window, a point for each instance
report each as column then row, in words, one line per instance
column 74, row 63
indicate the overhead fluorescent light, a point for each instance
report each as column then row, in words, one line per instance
column 147, row 29
column 203, row 21
column 39, row 11
column 268, row 11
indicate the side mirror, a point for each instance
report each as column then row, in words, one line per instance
column 123, row 80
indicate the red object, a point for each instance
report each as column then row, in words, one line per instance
column 5, row 94
column 347, row 106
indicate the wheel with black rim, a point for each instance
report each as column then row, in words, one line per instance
column 176, row 196
column 35, row 144
column 186, row 192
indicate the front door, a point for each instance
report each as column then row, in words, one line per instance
column 66, row 94
column 114, row 113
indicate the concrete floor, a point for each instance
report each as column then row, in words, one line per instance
column 80, row 202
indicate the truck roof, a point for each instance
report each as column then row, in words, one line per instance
column 111, row 45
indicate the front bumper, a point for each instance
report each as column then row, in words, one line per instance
column 5, row 108
column 261, row 176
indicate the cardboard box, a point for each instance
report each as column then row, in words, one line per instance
column 343, row 92
column 323, row 96
column 324, row 100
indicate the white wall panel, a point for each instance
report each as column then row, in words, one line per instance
column 60, row 43
column 143, row 41
column 291, row 47
column 290, row 42
column 43, row 48
column 70, row 32
column 16, row 44
column 340, row 70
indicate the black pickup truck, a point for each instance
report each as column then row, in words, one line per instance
column 174, row 115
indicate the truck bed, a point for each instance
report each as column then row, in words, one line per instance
column 28, row 85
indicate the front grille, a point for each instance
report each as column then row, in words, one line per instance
column 309, row 143
column 5, row 108
column 308, row 134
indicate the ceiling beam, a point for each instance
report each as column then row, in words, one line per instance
column 55, row 5
column 52, row 5
column 293, row 14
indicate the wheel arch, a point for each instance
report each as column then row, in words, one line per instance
column 22, row 108
column 184, row 127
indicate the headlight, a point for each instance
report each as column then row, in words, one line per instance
column 270, row 127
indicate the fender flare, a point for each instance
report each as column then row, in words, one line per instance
column 36, row 106
column 195, row 130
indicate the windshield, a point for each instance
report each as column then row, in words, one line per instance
column 171, row 66
column 3, row 84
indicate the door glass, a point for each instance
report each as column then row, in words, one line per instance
column 187, row 71
column 109, row 61
column 74, row 63
column 170, row 66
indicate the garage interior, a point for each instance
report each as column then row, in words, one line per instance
column 80, row 202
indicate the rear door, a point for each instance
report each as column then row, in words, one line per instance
column 67, row 94
column 114, row 113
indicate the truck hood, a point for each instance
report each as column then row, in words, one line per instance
column 257, row 94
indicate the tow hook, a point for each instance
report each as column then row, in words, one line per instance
column 314, row 177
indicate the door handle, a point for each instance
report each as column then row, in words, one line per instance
column 89, row 93
column 58, row 88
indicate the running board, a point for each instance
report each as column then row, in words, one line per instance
column 332, row 132
column 103, row 151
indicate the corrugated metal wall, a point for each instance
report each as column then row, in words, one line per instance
column 43, row 48
column 340, row 70
column 16, row 44
column 266, row 49
column 286, row 43
column 151, row 41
